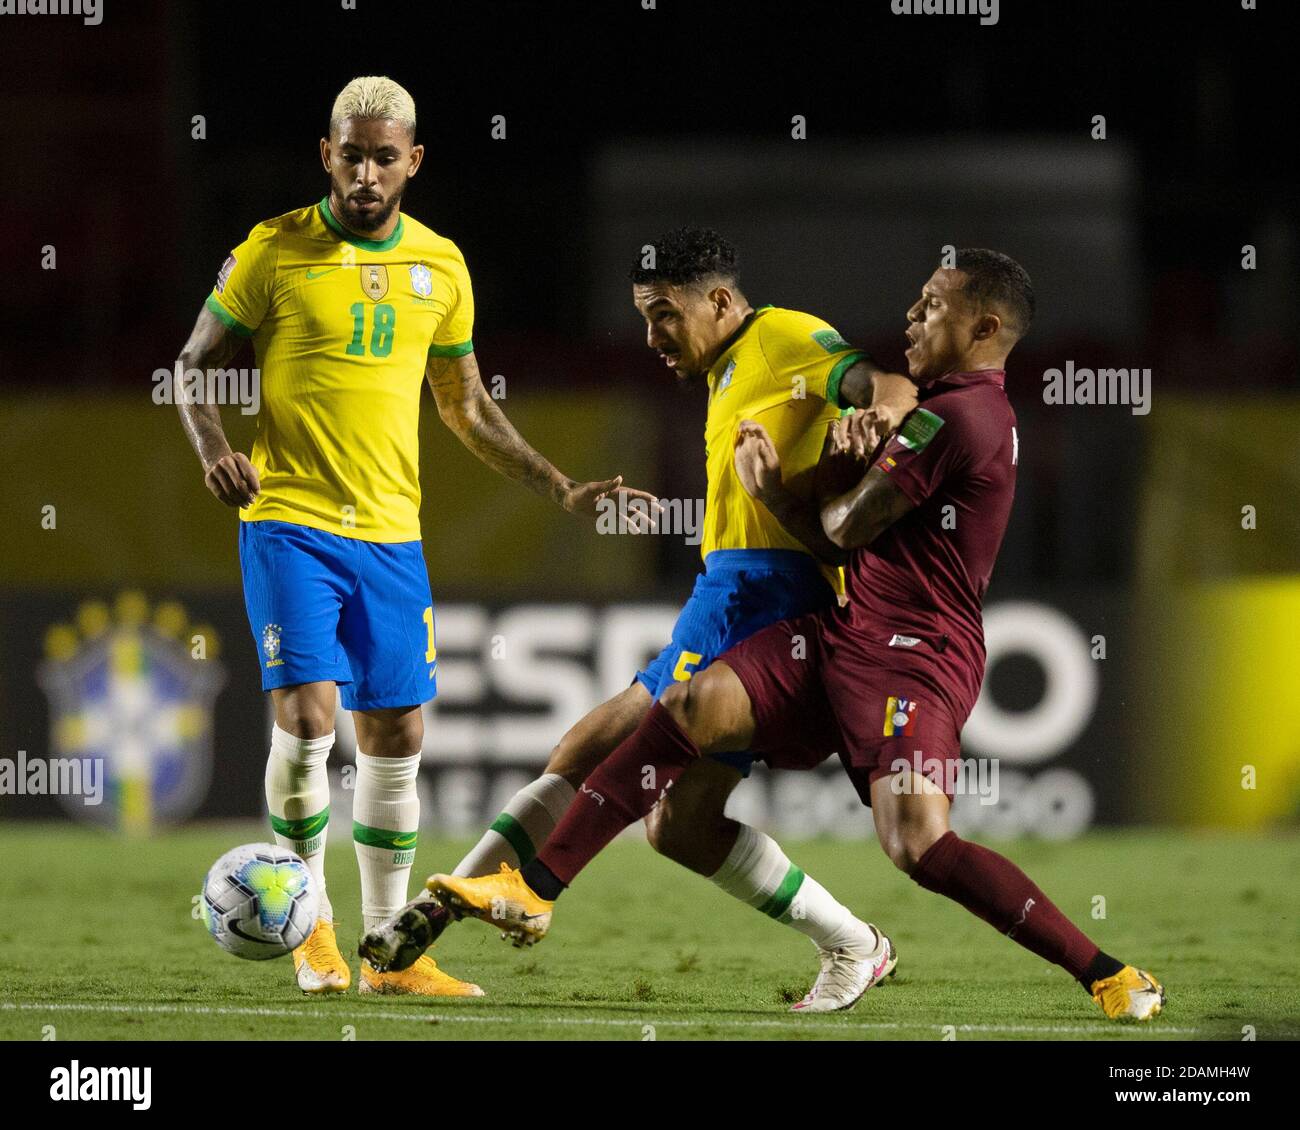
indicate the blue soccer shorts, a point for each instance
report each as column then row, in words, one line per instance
column 740, row 592
column 329, row 608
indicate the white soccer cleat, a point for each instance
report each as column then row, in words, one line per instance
column 846, row 974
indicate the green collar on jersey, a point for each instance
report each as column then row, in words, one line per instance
column 740, row 332
column 365, row 244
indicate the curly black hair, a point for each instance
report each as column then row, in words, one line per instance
column 994, row 279
column 687, row 255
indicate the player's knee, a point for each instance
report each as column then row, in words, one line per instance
column 561, row 765
column 658, row 831
column 305, row 722
column 403, row 739
column 391, row 734
column 699, row 707
column 574, row 760
column 905, row 846
column 676, row 700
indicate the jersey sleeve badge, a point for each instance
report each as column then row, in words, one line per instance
column 920, row 429
column 831, row 341
column 223, row 275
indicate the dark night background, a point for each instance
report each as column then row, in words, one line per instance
column 622, row 123
column 101, row 164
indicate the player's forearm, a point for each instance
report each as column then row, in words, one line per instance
column 859, row 515
column 202, row 421
column 867, row 385
column 483, row 428
column 837, row 515
column 799, row 518
column 858, row 387
column 210, row 346
column 202, row 424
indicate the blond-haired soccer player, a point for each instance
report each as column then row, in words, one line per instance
column 350, row 304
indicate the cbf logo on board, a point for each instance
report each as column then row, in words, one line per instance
column 133, row 687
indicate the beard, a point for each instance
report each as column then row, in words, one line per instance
column 369, row 221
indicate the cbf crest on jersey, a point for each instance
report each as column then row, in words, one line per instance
column 724, row 381
column 421, row 279
column 134, row 688
column 374, row 280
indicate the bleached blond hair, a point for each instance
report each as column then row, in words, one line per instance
column 374, row 96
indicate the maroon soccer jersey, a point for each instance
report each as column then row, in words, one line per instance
column 889, row 680
column 915, row 593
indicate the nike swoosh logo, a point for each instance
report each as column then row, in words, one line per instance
column 529, row 917
column 317, row 274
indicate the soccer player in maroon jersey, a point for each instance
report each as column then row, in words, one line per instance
column 886, row 681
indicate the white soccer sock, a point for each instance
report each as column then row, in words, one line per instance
column 522, row 828
column 385, row 824
column 758, row 873
column 298, row 797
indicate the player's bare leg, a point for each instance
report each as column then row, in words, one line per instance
column 710, row 713
column 385, row 827
column 689, row 826
column 529, row 817
column 298, row 796
column 533, row 812
column 911, row 815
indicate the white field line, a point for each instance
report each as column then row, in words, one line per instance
column 410, row 1016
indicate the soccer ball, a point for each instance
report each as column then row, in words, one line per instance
column 259, row 901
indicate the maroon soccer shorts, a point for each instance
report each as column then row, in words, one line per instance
column 813, row 698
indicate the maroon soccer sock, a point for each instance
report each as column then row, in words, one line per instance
column 625, row 787
column 991, row 886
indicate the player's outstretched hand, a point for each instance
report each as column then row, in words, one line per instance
column 233, row 479
column 638, row 510
column 757, row 463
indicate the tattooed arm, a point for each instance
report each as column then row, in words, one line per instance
column 758, row 466
column 856, row 516
column 466, row 408
column 228, row 474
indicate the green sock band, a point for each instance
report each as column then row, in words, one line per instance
column 509, row 829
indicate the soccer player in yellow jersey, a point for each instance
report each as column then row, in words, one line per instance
column 350, row 305
column 792, row 374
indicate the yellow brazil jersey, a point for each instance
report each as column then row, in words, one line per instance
column 783, row 369
column 342, row 327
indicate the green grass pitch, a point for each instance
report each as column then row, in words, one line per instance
column 97, row 940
